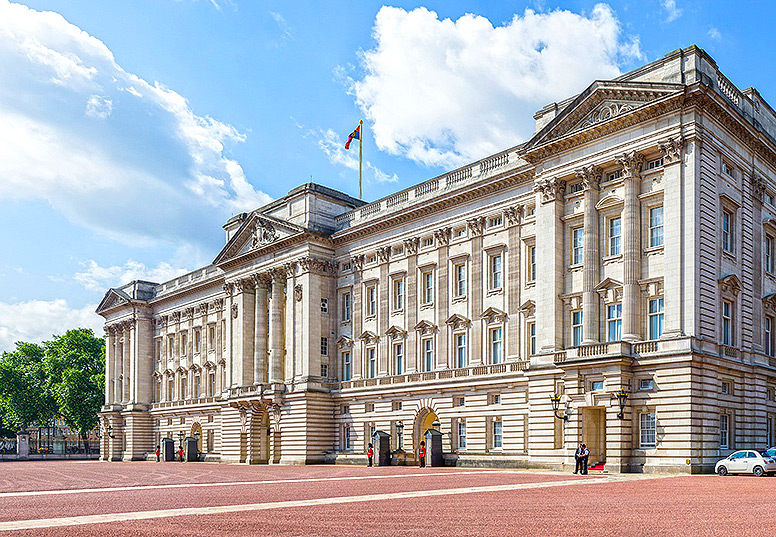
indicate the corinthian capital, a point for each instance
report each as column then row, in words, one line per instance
column 442, row 236
column 412, row 245
column 550, row 189
column 671, row 149
column 631, row 162
column 476, row 225
column 590, row 176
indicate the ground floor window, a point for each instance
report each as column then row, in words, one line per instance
column 347, row 438
column 497, row 434
column 724, row 431
column 461, row 435
column 647, row 430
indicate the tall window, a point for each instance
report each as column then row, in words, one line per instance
column 656, row 226
column 496, row 347
column 497, row 434
column 461, row 435
column 460, row 350
column 324, row 346
column 346, row 371
column 460, row 279
column 184, row 344
column 531, row 338
column 727, row 323
column 727, row 231
column 768, row 336
column 769, row 260
column 345, row 306
column 615, row 236
column 211, row 379
column 532, row 263
column 347, row 439
column 614, row 322
column 211, row 337
column 577, row 245
column 372, row 354
column 647, row 430
column 428, row 287
column 576, row 328
column 324, row 305
column 398, row 293
column 495, row 271
column 371, row 300
column 428, row 354
column 655, row 314
column 398, row 358
column 197, row 341
column 724, row 431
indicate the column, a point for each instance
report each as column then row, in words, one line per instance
column 442, row 239
column 356, row 311
column 673, row 209
column 109, row 380
column 631, row 219
column 260, row 345
column 125, row 360
column 118, row 368
column 476, row 227
column 550, row 264
column 411, row 304
column 276, row 327
column 512, row 281
column 384, row 311
column 591, row 177
column 243, row 324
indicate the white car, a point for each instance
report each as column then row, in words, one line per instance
column 747, row 461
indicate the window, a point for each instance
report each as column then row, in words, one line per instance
column 656, row 226
column 657, row 163
column 346, row 409
column 324, row 346
column 727, row 231
column 211, row 337
column 396, row 405
column 211, row 379
column 346, row 266
column 347, row 439
column 371, row 300
column 576, row 187
column 184, row 343
column 727, row 169
column 460, row 350
column 496, row 348
column 428, row 287
column 197, row 341
column 371, row 259
column 769, row 261
column 461, row 435
column 577, row 245
column 325, row 370
column 646, row 384
column 576, row 328
column 495, row 221
column 532, row 263
column 459, row 270
column 614, row 175
column 398, row 294
column 647, row 435
column 495, row 399
column 460, row 232
column 428, row 241
column 655, row 318
column 369, row 407
column 398, row 358
column 597, row 386
column 398, row 250
column 197, row 388
column 372, row 361
column 768, row 430
column 428, row 354
column 531, row 338
column 615, row 236
column 346, row 371
column 724, row 431
column 614, row 322
column 495, row 271
column 531, row 211
column 497, row 434
column 768, row 336
column 725, row 388
column 324, row 305
column 345, row 307
column 727, row 323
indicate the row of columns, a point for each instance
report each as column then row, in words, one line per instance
column 117, row 362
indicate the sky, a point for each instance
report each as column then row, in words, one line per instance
column 131, row 131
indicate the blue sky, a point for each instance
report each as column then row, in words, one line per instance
column 130, row 131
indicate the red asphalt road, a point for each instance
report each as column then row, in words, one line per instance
column 691, row 505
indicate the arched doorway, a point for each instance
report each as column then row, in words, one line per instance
column 196, row 432
column 426, row 417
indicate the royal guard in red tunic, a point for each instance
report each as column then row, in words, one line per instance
column 369, row 454
column 158, row 452
column 180, row 454
column 422, row 454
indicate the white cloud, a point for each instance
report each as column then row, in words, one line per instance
column 38, row 320
column 715, row 34
column 672, row 11
column 333, row 146
column 139, row 174
column 97, row 278
column 285, row 29
column 445, row 92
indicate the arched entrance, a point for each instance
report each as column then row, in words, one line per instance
column 426, row 417
column 196, row 432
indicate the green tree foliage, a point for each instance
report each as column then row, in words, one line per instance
column 59, row 378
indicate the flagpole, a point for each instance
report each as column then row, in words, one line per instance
column 360, row 155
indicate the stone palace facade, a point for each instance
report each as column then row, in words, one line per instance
column 629, row 245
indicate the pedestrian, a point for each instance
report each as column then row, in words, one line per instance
column 422, row 454
column 180, row 454
column 585, row 457
column 578, row 458
column 369, row 453
column 158, row 453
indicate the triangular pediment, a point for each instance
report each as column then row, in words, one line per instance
column 344, row 342
column 730, row 284
column 601, row 102
column 113, row 298
column 457, row 321
column 425, row 327
column 395, row 332
column 608, row 283
column 528, row 308
column 258, row 231
column 369, row 337
column 492, row 315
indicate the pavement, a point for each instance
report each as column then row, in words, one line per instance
column 149, row 499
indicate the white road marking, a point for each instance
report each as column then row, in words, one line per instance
column 191, row 511
column 234, row 483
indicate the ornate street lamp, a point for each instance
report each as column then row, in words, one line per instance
column 622, row 398
column 180, row 438
column 400, row 435
column 555, row 398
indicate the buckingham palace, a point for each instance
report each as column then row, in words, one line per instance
column 611, row 281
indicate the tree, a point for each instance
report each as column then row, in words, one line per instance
column 24, row 395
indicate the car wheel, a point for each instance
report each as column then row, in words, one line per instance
column 758, row 471
column 722, row 470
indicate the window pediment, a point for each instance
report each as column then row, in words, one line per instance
column 369, row 337
column 493, row 315
column 457, row 322
column 609, row 201
column 528, row 308
column 344, row 342
column 396, row 332
column 610, row 290
column 425, row 327
column 729, row 284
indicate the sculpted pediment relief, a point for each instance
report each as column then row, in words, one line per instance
column 257, row 232
column 112, row 299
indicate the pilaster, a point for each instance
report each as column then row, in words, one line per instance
column 591, row 271
column 442, row 239
column 513, row 217
column 260, row 345
column 476, row 228
column 673, row 211
column 276, row 327
column 631, row 163
column 411, row 304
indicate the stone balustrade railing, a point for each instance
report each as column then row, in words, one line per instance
column 194, row 401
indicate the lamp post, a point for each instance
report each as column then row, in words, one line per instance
column 400, row 435
column 555, row 398
column 180, row 438
column 622, row 398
